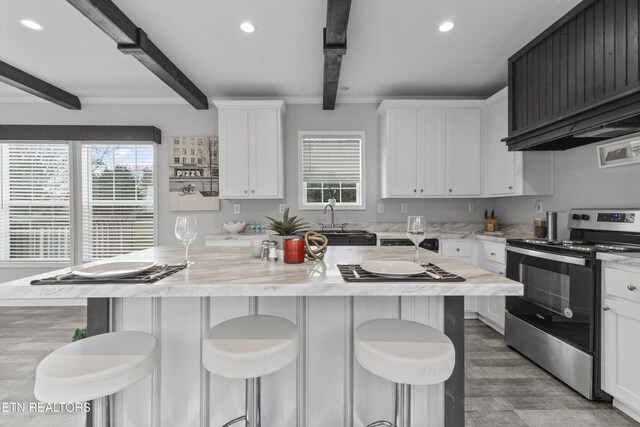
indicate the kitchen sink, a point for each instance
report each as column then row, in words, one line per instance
column 349, row 237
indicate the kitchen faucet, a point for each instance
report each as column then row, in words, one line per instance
column 333, row 221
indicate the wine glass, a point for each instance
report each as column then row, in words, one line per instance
column 416, row 232
column 186, row 231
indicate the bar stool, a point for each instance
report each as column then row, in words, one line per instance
column 94, row 368
column 250, row 347
column 406, row 353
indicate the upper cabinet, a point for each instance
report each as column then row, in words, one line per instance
column 511, row 173
column 454, row 149
column 251, row 149
column 430, row 148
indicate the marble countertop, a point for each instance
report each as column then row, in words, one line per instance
column 621, row 258
column 224, row 271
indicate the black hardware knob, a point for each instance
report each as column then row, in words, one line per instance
column 584, row 217
column 422, row 190
column 414, row 190
column 450, row 190
column 576, row 217
column 457, row 249
column 511, row 187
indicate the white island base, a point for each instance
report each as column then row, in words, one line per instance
column 325, row 387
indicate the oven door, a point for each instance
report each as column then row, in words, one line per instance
column 558, row 294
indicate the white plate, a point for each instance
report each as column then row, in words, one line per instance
column 114, row 269
column 392, row 268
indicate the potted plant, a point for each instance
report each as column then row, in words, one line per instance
column 288, row 226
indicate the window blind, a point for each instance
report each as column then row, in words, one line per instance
column 331, row 160
column 117, row 199
column 34, row 202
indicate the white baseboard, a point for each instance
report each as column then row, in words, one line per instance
column 490, row 324
column 632, row 412
column 42, row 302
column 470, row 315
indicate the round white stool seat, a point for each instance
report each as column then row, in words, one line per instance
column 404, row 352
column 250, row 346
column 95, row 367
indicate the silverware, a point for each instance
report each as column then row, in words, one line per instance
column 352, row 269
column 430, row 273
column 64, row 276
column 163, row 270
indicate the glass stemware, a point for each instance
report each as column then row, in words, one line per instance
column 186, row 231
column 416, row 232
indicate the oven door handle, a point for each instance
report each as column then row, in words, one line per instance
column 547, row 255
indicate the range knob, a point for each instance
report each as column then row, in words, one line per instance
column 584, row 217
column 575, row 217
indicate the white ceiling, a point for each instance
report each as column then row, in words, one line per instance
column 394, row 46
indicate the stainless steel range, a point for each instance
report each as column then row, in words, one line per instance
column 556, row 323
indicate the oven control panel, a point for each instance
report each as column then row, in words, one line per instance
column 623, row 220
column 616, row 217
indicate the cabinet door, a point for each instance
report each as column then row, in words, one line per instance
column 463, row 151
column 264, row 153
column 620, row 347
column 501, row 163
column 234, row 153
column 494, row 307
column 430, row 152
column 401, row 167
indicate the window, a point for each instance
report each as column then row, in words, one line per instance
column 176, row 160
column 176, row 151
column 331, row 165
column 35, row 215
column 114, row 200
column 117, row 199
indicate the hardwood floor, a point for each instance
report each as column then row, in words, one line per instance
column 503, row 387
column 27, row 335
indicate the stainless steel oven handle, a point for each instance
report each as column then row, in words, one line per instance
column 547, row 255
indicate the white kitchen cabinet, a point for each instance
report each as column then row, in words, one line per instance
column 463, row 162
column 430, row 147
column 510, row 173
column 620, row 343
column 251, row 149
column 462, row 250
column 491, row 309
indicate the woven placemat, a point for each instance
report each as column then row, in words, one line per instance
column 148, row 276
column 365, row 276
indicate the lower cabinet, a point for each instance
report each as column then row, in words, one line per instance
column 489, row 256
column 620, row 343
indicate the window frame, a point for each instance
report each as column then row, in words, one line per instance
column 75, row 202
column 302, row 188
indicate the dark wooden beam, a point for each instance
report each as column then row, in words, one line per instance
column 33, row 85
column 133, row 41
column 334, row 47
column 79, row 133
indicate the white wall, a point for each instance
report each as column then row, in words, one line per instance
column 579, row 183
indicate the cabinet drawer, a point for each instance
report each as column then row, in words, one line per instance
column 455, row 248
column 494, row 252
column 622, row 284
column 495, row 267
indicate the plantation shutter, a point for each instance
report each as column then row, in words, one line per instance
column 34, row 202
column 331, row 160
column 117, row 199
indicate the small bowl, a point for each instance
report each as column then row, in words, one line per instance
column 233, row 227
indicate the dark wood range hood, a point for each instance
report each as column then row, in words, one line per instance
column 579, row 81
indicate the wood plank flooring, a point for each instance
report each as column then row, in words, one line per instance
column 503, row 387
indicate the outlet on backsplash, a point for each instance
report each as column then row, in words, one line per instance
column 236, row 208
column 404, row 207
column 282, row 207
column 380, row 208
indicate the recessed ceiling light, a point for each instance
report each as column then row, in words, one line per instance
column 247, row 27
column 33, row 25
column 446, row 26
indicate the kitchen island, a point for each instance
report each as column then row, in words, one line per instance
column 326, row 387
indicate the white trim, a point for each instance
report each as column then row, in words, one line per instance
column 449, row 102
column 363, row 170
column 235, row 104
column 627, row 409
column 62, row 302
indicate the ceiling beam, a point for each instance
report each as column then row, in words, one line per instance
column 133, row 41
column 33, row 85
column 335, row 46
